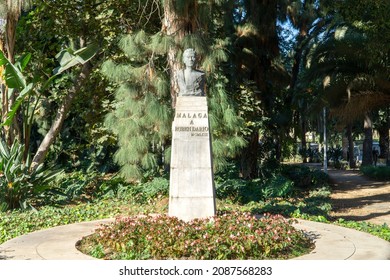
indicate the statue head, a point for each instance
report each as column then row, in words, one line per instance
column 189, row 57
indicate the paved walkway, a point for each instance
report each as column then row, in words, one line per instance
column 58, row 243
column 356, row 197
column 332, row 243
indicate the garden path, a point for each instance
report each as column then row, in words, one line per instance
column 358, row 198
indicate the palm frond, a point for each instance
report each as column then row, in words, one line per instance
column 360, row 104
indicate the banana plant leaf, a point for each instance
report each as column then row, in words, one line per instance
column 13, row 75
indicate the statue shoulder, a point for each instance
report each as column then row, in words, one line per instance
column 199, row 74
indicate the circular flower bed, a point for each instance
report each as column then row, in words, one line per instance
column 224, row 237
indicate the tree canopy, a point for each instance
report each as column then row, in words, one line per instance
column 97, row 87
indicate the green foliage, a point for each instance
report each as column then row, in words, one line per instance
column 12, row 74
column 47, row 29
column 376, row 172
column 70, row 58
column 83, row 186
column 382, row 231
column 224, row 237
column 18, row 185
column 15, row 223
column 143, row 193
column 239, row 190
column 304, row 177
column 30, row 94
column 315, row 203
column 250, row 107
column 269, row 166
column 335, row 154
column 142, row 113
column 278, row 187
column 370, row 17
column 74, row 187
column 112, row 188
column 16, row 81
column 224, row 123
column 285, row 181
column 245, row 191
column 97, row 252
column 155, row 189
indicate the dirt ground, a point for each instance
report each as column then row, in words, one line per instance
column 355, row 197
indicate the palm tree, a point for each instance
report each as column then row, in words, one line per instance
column 309, row 19
column 354, row 82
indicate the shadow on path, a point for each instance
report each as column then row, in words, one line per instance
column 358, row 198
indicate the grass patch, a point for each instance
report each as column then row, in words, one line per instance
column 382, row 231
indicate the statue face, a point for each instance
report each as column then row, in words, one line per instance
column 189, row 58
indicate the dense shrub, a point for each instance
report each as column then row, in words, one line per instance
column 18, row 184
column 81, row 186
column 72, row 187
column 287, row 181
column 335, row 155
column 245, row 191
column 304, row 177
column 376, row 172
column 227, row 236
column 313, row 203
column 155, row 188
column 278, row 186
column 239, row 190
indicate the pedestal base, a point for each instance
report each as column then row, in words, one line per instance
column 191, row 190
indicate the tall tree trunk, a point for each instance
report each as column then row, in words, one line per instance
column 12, row 21
column 278, row 149
column 303, row 29
column 8, row 40
column 367, row 143
column 383, row 131
column 4, row 94
column 15, row 130
column 344, row 145
column 61, row 115
column 249, row 157
column 171, row 27
column 352, row 161
column 303, row 139
column 388, row 137
column 384, row 137
column 262, row 15
column 177, row 26
column 303, row 25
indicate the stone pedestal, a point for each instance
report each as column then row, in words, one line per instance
column 191, row 190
